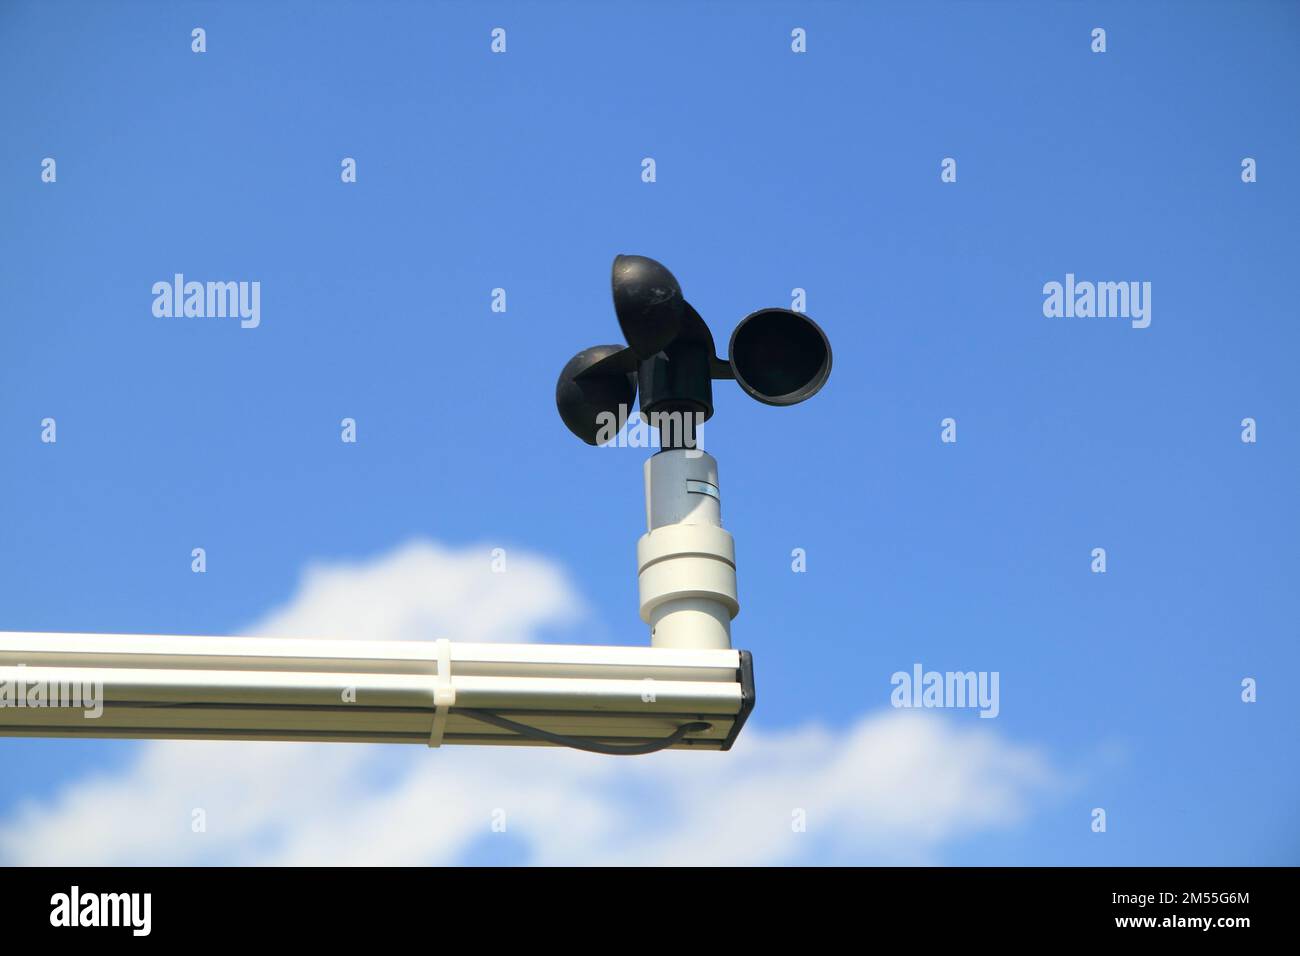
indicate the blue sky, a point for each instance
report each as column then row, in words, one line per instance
column 775, row 170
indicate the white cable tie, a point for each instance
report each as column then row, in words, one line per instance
column 444, row 693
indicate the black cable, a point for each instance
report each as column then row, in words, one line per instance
column 577, row 743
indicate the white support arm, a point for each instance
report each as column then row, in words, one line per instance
column 250, row 688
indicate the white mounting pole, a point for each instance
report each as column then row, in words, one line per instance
column 686, row 561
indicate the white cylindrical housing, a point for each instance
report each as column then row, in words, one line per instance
column 686, row 562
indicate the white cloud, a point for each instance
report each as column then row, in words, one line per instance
column 422, row 592
column 895, row 787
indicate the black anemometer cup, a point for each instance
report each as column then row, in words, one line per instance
column 780, row 357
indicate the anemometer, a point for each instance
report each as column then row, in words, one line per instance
column 688, row 689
